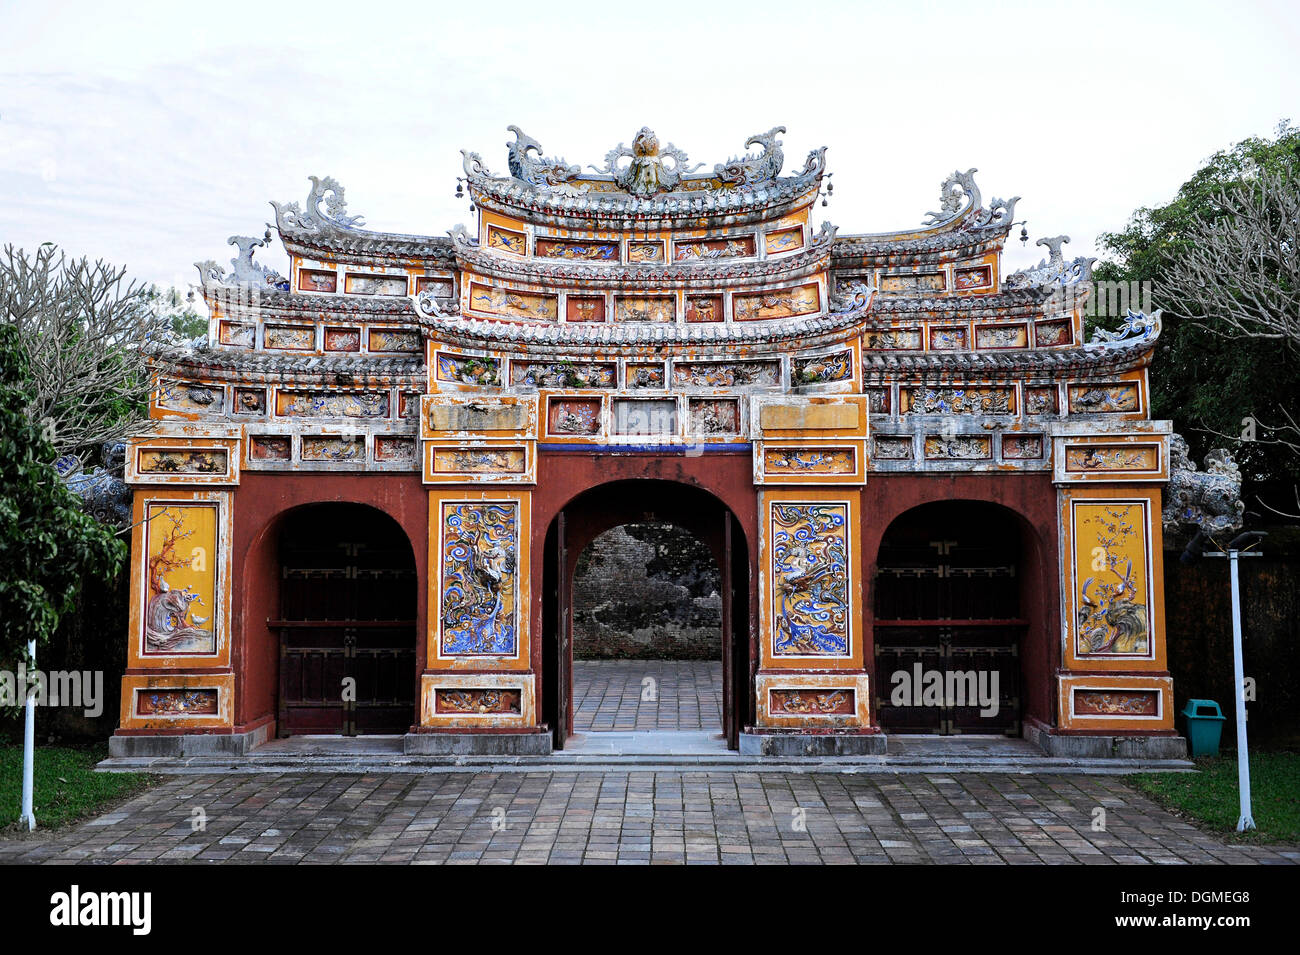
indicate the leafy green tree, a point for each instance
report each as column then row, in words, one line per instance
column 1206, row 377
column 48, row 545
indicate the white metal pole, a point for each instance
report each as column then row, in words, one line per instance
column 1245, row 820
column 29, row 748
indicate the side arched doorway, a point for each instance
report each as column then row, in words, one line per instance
column 346, row 622
column 949, row 620
column 646, row 503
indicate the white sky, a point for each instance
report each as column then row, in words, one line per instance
column 149, row 133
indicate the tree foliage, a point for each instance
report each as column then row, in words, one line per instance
column 48, row 545
column 1208, row 375
column 80, row 327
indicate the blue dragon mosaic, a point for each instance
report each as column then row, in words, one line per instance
column 478, row 579
column 810, row 573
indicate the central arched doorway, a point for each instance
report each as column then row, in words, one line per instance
column 643, row 506
column 346, row 623
column 949, row 624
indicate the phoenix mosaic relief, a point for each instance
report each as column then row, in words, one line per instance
column 1110, row 547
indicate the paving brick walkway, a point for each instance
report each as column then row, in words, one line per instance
column 608, row 695
column 650, row 817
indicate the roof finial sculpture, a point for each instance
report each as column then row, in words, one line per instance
column 244, row 271
column 748, row 170
column 290, row 218
column 652, row 169
column 957, row 195
column 536, row 169
column 1053, row 271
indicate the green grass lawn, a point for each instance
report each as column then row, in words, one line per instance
column 65, row 785
column 1209, row 797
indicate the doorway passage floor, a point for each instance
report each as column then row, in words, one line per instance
column 625, row 696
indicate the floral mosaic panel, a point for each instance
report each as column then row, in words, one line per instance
column 181, row 554
column 1112, row 598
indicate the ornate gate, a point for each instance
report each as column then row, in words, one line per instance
column 347, row 625
column 948, row 625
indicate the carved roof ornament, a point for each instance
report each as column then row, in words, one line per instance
column 750, row 170
column 1209, row 499
column 958, row 194
column 244, row 271
column 1137, row 326
column 1053, row 271
column 527, row 162
column 313, row 219
column 651, row 169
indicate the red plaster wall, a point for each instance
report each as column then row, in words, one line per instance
column 260, row 501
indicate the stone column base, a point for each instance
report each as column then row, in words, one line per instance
column 1105, row 746
column 175, row 746
column 524, row 743
column 762, row 742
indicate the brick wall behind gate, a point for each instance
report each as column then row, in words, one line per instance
column 647, row 591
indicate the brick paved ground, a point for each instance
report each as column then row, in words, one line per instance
column 607, row 695
column 635, row 817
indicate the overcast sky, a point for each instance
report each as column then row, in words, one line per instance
column 148, row 137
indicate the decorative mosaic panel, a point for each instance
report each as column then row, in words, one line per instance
column 384, row 285
column 648, row 308
column 1022, row 447
column 809, row 578
column 1117, row 702
column 1047, row 334
column 638, row 252
column 332, row 404
column 892, row 448
column 289, row 337
column 726, row 374
column 585, row 308
column 436, row 286
column 511, row 304
column 980, row 276
column 890, row 339
column 579, row 251
column 394, row 450
column 484, row 700
column 878, row 402
column 563, row 374
column 182, row 461
column 181, row 554
column 1040, row 401
column 394, row 340
column 783, row 240
column 270, row 447
column 962, row 447
column 341, row 449
column 809, row 461
column 239, row 335
column 479, row 589
column 506, row 240
column 779, row 303
column 733, row 247
column 250, row 401
column 575, row 416
column 645, row 376
column 317, row 280
column 822, row 369
column 958, row 401
column 1001, row 336
column 1112, row 596
column 479, row 461
column 182, row 396
column 812, row 702
column 1120, row 457
column 176, row 703
column 650, row 418
column 343, row 339
column 914, row 282
column 468, row 369
column 1104, row 399
column 947, row 339
column 704, row 308
column 708, row 416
